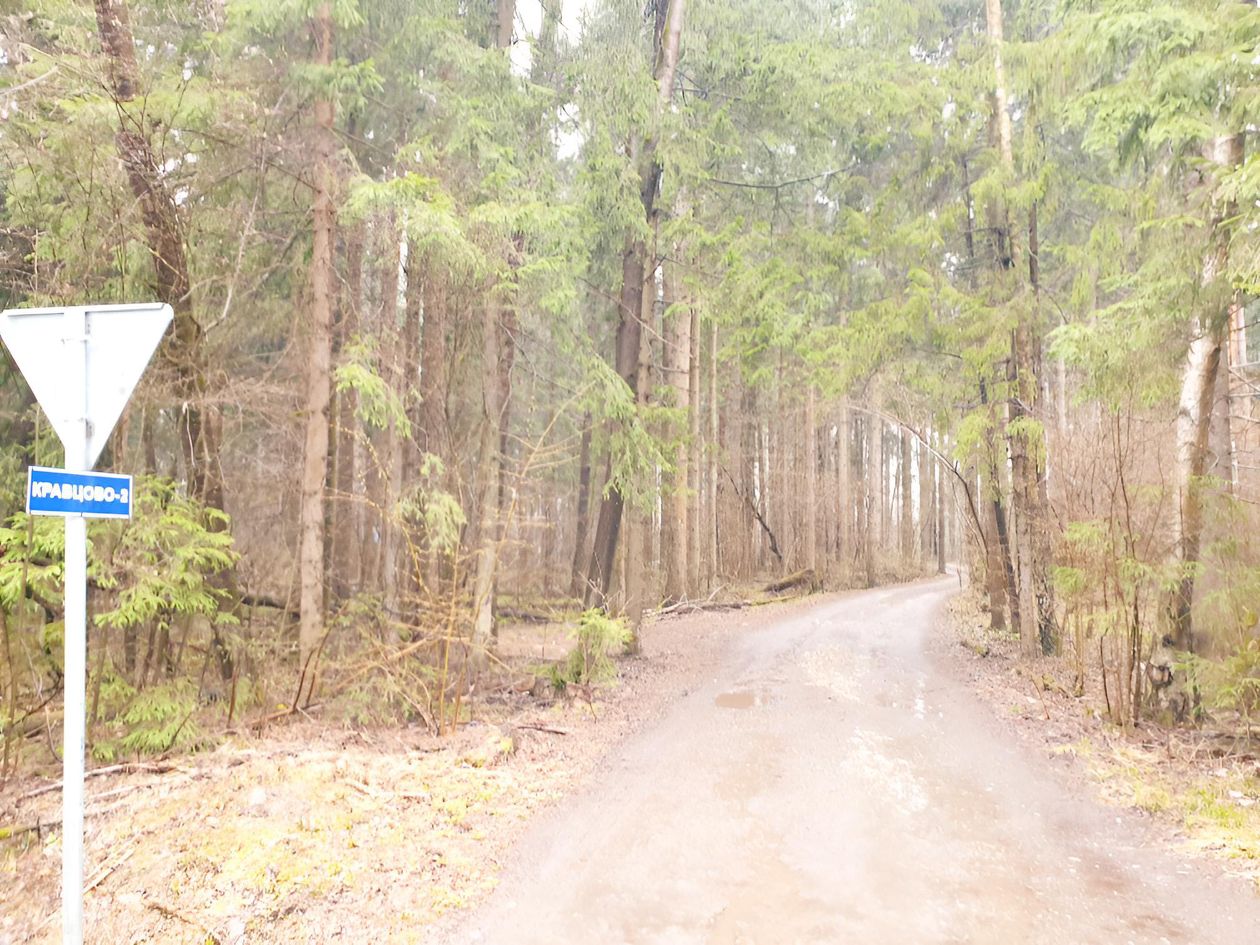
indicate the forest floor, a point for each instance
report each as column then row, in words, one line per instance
column 1198, row 787
column 315, row 832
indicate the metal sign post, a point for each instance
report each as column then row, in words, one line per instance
column 82, row 364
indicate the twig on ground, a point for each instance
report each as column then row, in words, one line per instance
column 106, row 871
column 125, row 768
column 171, row 912
column 539, row 727
column 1037, row 690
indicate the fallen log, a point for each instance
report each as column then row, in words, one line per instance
column 697, row 607
column 523, row 616
column 808, row 578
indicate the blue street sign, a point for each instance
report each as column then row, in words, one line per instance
column 94, row 495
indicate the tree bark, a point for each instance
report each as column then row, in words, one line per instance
column 711, row 454
column 668, row 31
column 927, row 517
column 1026, row 440
column 385, row 479
column 844, row 464
column 677, row 358
column 577, row 581
column 907, row 498
column 811, row 479
column 695, row 478
column 346, row 547
column 872, row 500
column 485, row 534
column 167, row 246
column 319, row 364
column 1194, row 412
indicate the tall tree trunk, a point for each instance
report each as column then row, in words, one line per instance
column 319, row 363
column 907, row 498
column 434, row 435
column 811, row 479
column 639, row 537
column 938, row 503
column 485, row 533
column 577, row 581
column 844, row 470
column 695, row 479
column 385, row 481
column 1194, row 412
column 344, row 570
column 711, row 474
column 504, row 22
column 183, row 350
column 927, row 517
column 873, row 496
column 668, row 32
column 677, row 363
column 629, row 329
column 406, row 471
column 497, row 353
column 1026, row 440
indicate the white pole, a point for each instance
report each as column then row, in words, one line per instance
column 75, row 679
column 73, row 732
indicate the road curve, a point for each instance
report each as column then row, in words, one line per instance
column 832, row 785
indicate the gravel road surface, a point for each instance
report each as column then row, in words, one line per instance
column 834, row 785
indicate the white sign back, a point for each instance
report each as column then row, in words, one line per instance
column 115, row 345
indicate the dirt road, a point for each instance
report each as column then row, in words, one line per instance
column 832, row 785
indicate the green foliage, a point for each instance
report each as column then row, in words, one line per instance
column 1230, row 684
column 164, row 559
column 378, row 404
column 160, row 720
column 597, row 637
column 32, row 551
column 437, row 510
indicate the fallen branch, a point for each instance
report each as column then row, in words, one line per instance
column 124, row 768
column 696, row 607
column 261, row 600
column 539, row 727
column 8, row 833
column 107, row 871
column 752, row 506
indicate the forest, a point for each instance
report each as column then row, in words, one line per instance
column 490, row 312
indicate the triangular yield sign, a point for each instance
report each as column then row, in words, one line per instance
column 49, row 350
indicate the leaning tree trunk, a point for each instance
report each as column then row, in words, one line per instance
column 668, row 32
column 319, row 365
column 167, row 247
column 183, row 353
column 1194, row 412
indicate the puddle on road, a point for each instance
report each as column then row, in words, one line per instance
column 740, row 699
